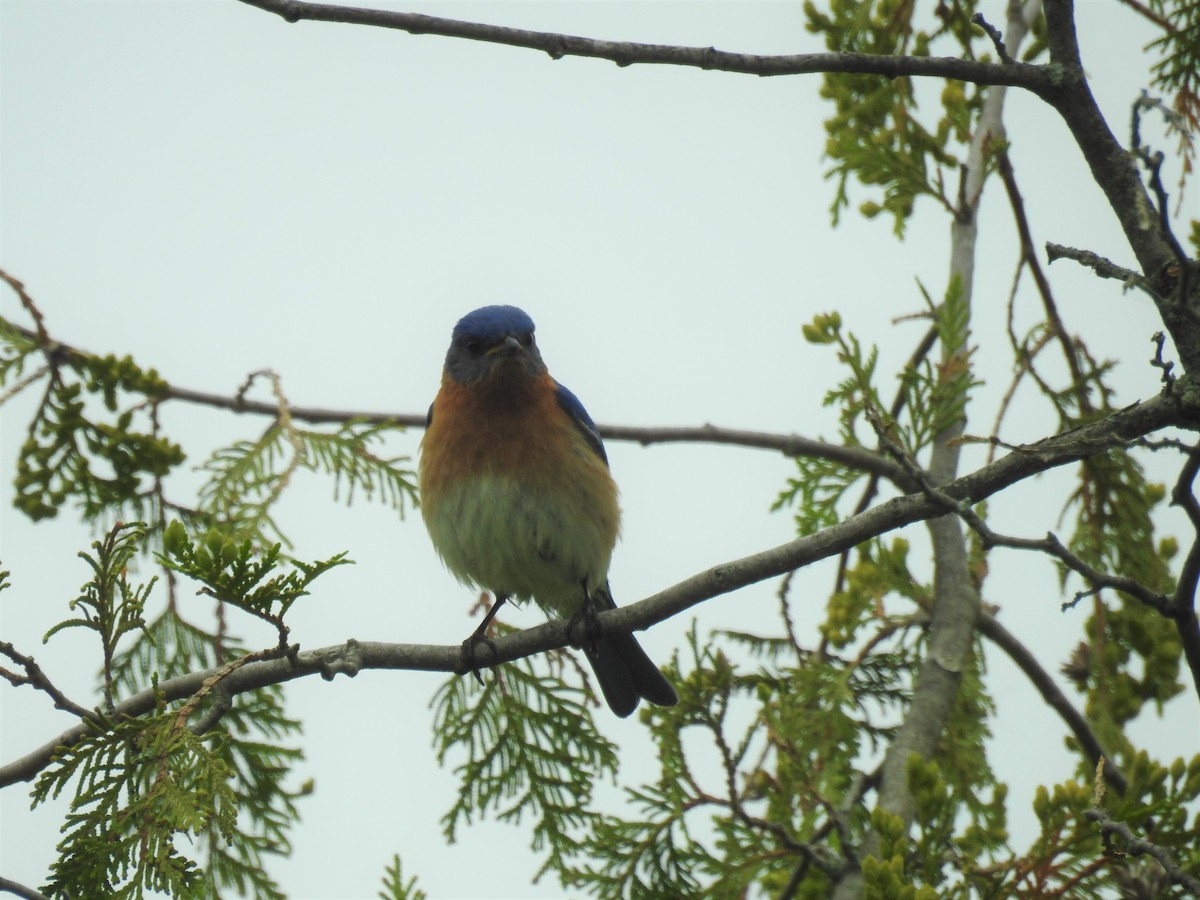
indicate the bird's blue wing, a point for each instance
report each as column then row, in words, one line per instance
column 573, row 408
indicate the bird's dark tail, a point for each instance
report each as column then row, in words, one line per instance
column 626, row 674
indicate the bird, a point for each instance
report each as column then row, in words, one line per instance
column 517, row 495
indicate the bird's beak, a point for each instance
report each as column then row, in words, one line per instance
column 510, row 346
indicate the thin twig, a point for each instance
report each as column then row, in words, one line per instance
column 821, row 857
column 920, row 352
column 1140, row 847
column 1186, row 623
column 25, row 893
column 1029, row 254
column 36, row 678
column 791, row 445
column 1145, row 11
column 1088, row 741
column 39, row 323
column 1105, row 268
column 1153, row 162
column 1049, row 545
column 1039, row 79
column 997, row 38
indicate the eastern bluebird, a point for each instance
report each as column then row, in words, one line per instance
column 517, row 496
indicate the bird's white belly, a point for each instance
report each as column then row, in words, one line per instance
column 506, row 536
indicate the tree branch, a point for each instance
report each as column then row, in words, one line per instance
column 791, row 445
column 1184, row 602
column 1038, row 79
column 35, row 677
column 353, row 656
column 1029, row 256
column 20, row 890
column 1105, row 268
column 991, row 628
column 1049, row 545
column 1141, row 847
column 1113, row 169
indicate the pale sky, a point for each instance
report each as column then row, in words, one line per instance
column 214, row 191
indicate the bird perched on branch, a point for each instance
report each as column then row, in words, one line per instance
column 517, row 495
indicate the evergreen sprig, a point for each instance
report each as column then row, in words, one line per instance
column 139, row 784
column 256, row 729
column 234, row 573
column 394, row 885
column 531, row 749
column 247, row 478
column 875, row 135
column 16, row 350
column 936, row 395
column 657, row 852
column 69, row 452
column 1114, row 531
column 108, row 603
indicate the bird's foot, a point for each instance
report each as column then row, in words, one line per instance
column 591, row 625
column 469, row 655
column 469, row 661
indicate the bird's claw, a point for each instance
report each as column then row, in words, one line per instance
column 469, row 661
column 591, row 625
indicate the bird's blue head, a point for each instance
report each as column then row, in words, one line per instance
column 490, row 337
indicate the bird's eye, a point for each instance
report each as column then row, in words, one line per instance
column 473, row 347
column 527, row 339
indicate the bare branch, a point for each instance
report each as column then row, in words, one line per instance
column 991, row 628
column 1141, row 847
column 39, row 323
column 1029, row 256
column 790, row 445
column 1049, row 545
column 1186, row 622
column 12, row 887
column 1039, row 79
column 997, row 38
column 1114, row 172
column 1105, row 268
column 35, row 677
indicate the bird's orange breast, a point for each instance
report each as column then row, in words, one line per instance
column 515, row 498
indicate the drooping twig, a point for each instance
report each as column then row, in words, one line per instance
column 1049, row 545
column 991, row 628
